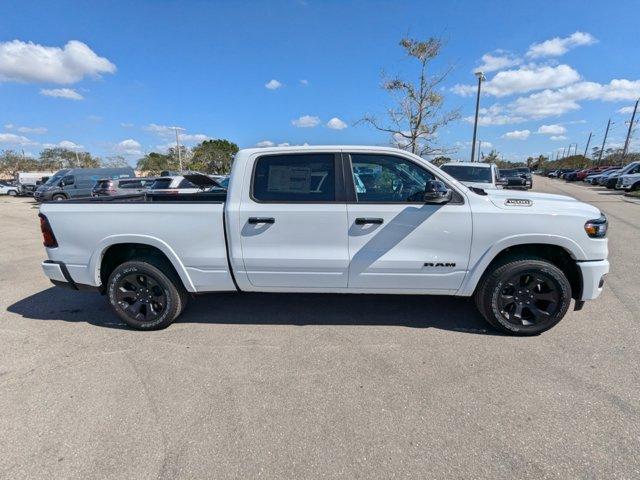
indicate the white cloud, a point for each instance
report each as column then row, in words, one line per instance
column 486, row 144
column 304, row 82
column 559, row 46
column 193, row 138
column 284, row 144
column 552, row 129
column 622, row 111
column 522, row 80
column 30, row 62
column 556, row 102
column 336, row 124
column 34, row 130
column 169, row 132
column 128, row 147
column 68, row 93
column 163, row 130
column 517, row 135
column 273, row 84
column 265, row 143
column 306, row 121
column 126, row 125
column 13, row 139
column 494, row 115
column 557, row 137
column 497, row 61
column 70, row 145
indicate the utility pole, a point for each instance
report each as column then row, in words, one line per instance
column 604, row 140
column 75, row 150
column 586, row 149
column 178, row 149
column 626, row 142
column 480, row 76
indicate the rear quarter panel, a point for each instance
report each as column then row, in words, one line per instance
column 191, row 235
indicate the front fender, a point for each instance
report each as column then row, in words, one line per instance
column 96, row 258
column 478, row 266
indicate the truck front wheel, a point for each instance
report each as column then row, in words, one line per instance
column 523, row 295
column 146, row 294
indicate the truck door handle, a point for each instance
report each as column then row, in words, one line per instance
column 256, row 220
column 365, row 221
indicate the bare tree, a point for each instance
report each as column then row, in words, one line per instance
column 416, row 117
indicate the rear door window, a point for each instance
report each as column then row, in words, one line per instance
column 296, row 178
column 161, row 184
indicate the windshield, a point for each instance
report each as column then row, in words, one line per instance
column 161, row 184
column 56, row 178
column 465, row 173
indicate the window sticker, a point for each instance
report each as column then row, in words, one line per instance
column 289, row 179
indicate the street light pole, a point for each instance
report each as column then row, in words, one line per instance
column 586, row 149
column 480, row 76
column 626, row 142
column 178, row 148
column 604, row 140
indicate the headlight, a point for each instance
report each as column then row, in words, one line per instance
column 597, row 228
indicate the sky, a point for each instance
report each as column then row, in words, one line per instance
column 112, row 77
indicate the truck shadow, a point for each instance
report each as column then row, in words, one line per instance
column 414, row 311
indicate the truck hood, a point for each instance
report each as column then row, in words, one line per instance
column 548, row 202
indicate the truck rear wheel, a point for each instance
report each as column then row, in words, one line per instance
column 146, row 294
column 523, row 295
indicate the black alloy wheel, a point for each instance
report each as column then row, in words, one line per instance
column 146, row 293
column 141, row 297
column 523, row 295
column 528, row 298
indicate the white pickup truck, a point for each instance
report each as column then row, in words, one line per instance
column 333, row 219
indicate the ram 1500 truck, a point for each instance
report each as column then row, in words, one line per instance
column 333, row 219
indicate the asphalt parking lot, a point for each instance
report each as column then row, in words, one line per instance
column 316, row 386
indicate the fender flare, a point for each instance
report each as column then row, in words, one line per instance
column 96, row 259
column 476, row 270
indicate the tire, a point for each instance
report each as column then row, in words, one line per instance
column 523, row 295
column 634, row 187
column 58, row 198
column 146, row 294
column 12, row 193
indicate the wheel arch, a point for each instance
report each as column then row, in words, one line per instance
column 115, row 250
column 559, row 251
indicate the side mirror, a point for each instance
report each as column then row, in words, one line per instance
column 436, row 192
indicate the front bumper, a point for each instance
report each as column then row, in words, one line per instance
column 593, row 277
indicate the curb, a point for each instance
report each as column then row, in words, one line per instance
column 631, row 200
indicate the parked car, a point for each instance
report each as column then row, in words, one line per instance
column 293, row 221
column 121, row 186
column 595, row 175
column 526, row 173
column 77, row 182
column 630, row 168
column 7, row 188
column 28, row 182
column 512, row 178
column 600, row 178
column 628, row 182
column 474, row 174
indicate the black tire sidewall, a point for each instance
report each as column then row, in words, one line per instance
column 172, row 308
column 496, row 283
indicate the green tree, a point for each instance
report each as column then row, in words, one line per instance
column 116, row 161
column 417, row 115
column 491, row 157
column 153, row 163
column 440, row 160
column 58, row 158
column 213, row 156
column 12, row 162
